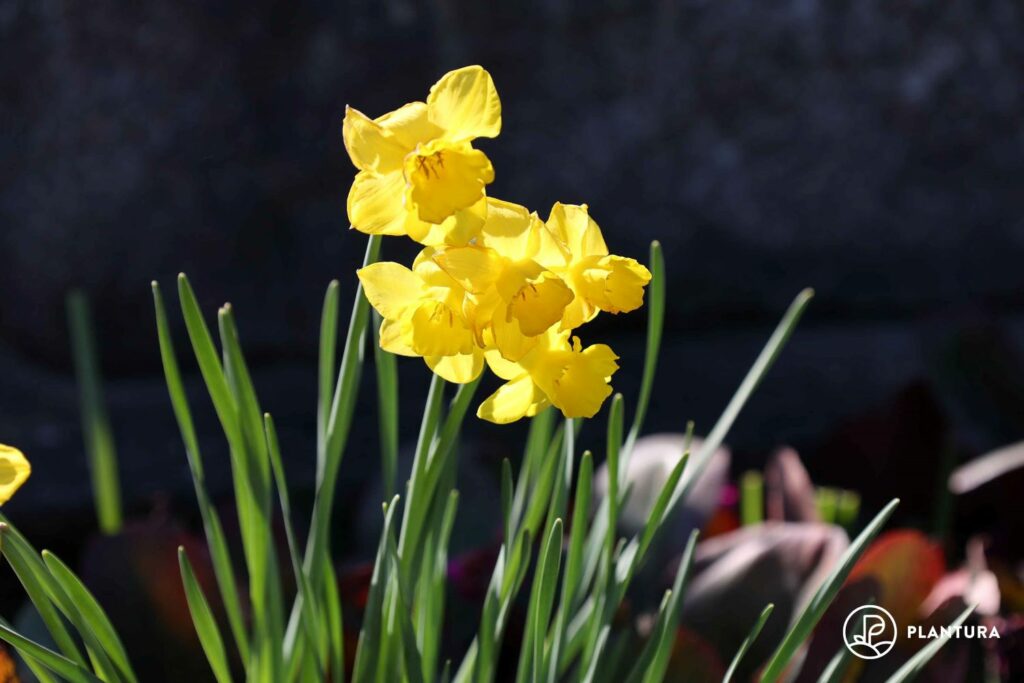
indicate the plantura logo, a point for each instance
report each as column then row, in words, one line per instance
column 869, row 632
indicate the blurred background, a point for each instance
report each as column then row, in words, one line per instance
column 871, row 150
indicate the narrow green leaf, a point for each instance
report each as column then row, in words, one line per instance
column 36, row 580
column 99, row 437
column 335, row 624
column 101, row 662
column 537, row 441
column 913, row 666
column 836, row 669
column 757, row 371
column 42, row 674
column 339, row 422
column 367, row 649
column 506, row 497
column 58, row 664
column 660, row 510
column 439, row 461
column 202, row 618
column 334, row 419
column 326, row 365
column 614, row 445
column 655, row 326
column 417, row 497
column 402, row 594
column 433, row 582
column 253, row 489
column 599, row 643
column 581, row 508
column 220, row 555
column 653, row 660
column 542, row 485
column 559, row 500
column 542, row 597
column 94, row 618
column 210, row 365
column 748, row 641
column 387, row 405
column 309, row 621
column 574, row 559
column 809, row 618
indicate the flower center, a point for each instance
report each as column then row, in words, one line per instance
column 431, row 165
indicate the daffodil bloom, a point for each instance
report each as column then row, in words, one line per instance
column 513, row 299
column 555, row 372
column 599, row 281
column 419, row 174
column 423, row 316
column 14, row 470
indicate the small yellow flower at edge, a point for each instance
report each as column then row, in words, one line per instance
column 419, row 174
column 14, row 470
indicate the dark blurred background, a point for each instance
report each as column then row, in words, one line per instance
column 871, row 149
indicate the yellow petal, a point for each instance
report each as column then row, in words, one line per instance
column 376, row 203
column 465, row 103
column 616, row 284
column 441, row 181
column 410, row 125
column 550, row 251
column 505, row 369
column 395, row 337
column 14, row 470
column 584, row 383
column 540, row 303
column 578, row 312
column 371, row 146
column 458, row 369
column 474, row 268
column 510, row 229
column 437, row 330
column 459, row 229
column 390, row 288
column 573, row 225
column 513, row 400
column 508, row 337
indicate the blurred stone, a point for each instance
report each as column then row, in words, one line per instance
column 652, row 462
column 736, row 575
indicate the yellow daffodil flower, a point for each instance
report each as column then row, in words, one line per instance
column 14, row 470
column 419, row 174
column 423, row 316
column 513, row 298
column 579, row 255
column 573, row 379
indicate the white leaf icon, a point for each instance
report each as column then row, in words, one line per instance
column 874, row 625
